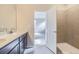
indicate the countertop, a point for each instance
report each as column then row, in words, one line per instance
column 9, row 37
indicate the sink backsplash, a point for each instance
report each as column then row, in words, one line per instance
column 3, row 29
column 7, row 31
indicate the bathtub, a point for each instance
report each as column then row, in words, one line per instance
column 65, row 48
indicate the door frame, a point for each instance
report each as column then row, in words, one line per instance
column 46, row 32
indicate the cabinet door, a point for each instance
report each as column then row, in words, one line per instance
column 15, row 50
column 24, row 38
column 25, row 41
column 21, row 47
column 9, row 47
column 8, row 17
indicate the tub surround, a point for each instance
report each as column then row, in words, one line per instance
column 9, row 37
column 68, row 25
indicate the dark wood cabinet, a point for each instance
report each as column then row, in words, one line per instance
column 15, row 50
column 21, row 47
column 15, row 47
column 25, row 40
column 8, row 47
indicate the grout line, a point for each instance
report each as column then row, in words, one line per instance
column 50, row 50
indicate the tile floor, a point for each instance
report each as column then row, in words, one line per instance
column 39, row 49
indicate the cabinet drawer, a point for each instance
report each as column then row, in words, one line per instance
column 9, row 47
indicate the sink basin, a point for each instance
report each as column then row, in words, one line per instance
column 2, row 35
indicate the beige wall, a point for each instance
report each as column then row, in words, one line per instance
column 7, row 17
column 25, row 19
column 73, row 25
column 61, row 22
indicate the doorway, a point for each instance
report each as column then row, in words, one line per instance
column 45, row 31
column 39, row 25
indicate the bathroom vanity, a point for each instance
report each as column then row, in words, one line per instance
column 14, row 44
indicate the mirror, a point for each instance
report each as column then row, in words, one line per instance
column 8, row 20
